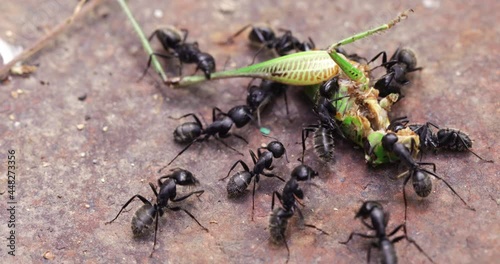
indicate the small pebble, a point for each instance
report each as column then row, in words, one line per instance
column 49, row 255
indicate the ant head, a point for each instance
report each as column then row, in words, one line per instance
column 407, row 57
column 183, row 177
column 206, row 63
column 255, row 96
column 241, row 115
column 398, row 124
column 389, row 140
column 329, row 87
column 303, row 173
column 422, row 183
column 276, row 148
column 367, row 208
column 308, row 45
column 261, row 34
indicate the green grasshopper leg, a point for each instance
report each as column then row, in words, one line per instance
column 351, row 71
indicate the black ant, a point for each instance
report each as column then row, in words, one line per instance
column 445, row 138
column 323, row 132
column 174, row 43
column 239, row 182
column 403, row 61
column 421, row 181
column 259, row 96
column 324, row 108
column 149, row 212
column 289, row 200
column 379, row 220
column 191, row 132
column 455, row 140
column 266, row 37
column 324, row 144
column 427, row 138
column 398, row 123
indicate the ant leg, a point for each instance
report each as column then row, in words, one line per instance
column 366, row 224
column 186, row 115
column 154, row 189
column 153, row 34
column 230, row 39
column 186, row 32
column 225, row 144
column 391, row 78
column 304, row 137
column 243, row 164
column 286, row 102
column 313, row 45
column 317, row 228
column 384, row 58
column 449, row 186
column 156, row 231
column 416, row 69
column 253, row 193
column 429, row 163
column 395, row 230
column 190, row 215
column 144, row 200
column 286, row 245
column 277, row 194
column 198, row 193
column 404, row 194
column 467, row 147
column 369, row 253
column 400, row 121
column 238, row 136
column 183, row 150
column 286, row 157
column 258, row 52
column 214, row 115
column 258, row 115
column 270, row 175
column 409, row 239
column 149, row 62
column 254, row 157
column 356, row 234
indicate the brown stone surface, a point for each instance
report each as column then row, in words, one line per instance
column 72, row 179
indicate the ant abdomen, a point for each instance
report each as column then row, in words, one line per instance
column 238, row 183
column 453, row 139
column 422, row 183
column 388, row 252
column 187, row 132
column 324, row 145
column 143, row 220
column 277, row 226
